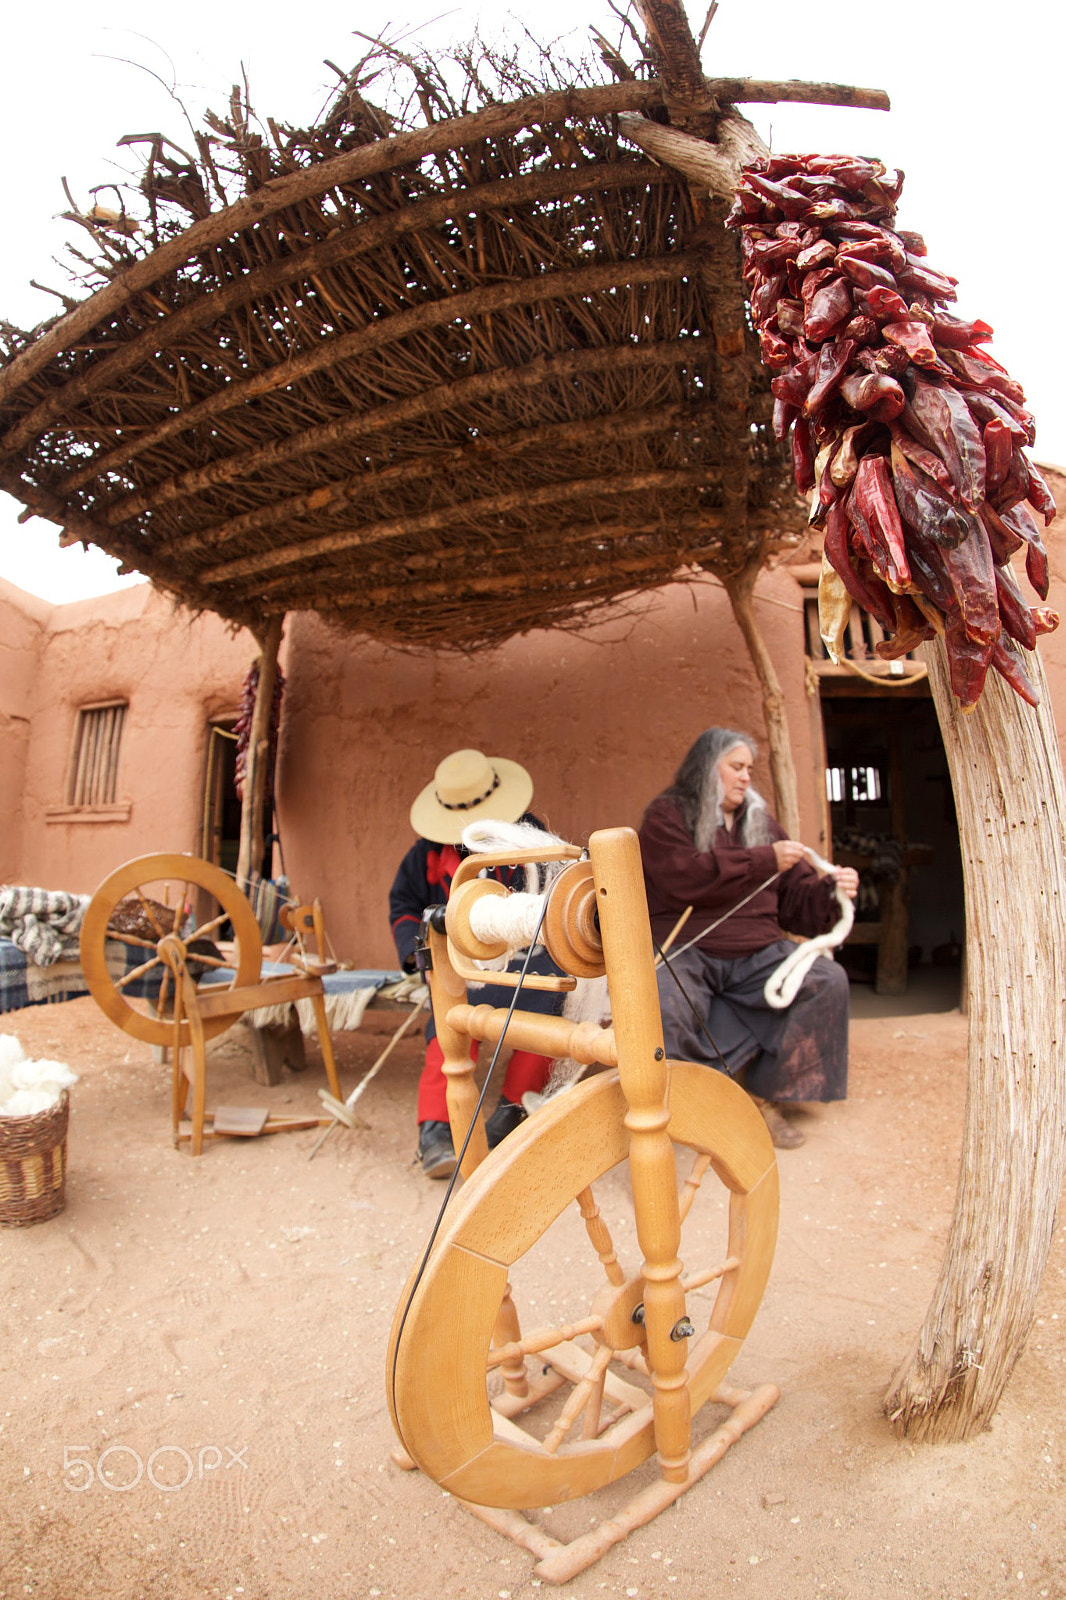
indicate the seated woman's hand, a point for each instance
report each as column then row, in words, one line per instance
column 848, row 880
column 788, row 852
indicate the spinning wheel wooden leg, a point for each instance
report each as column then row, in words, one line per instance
column 329, row 1060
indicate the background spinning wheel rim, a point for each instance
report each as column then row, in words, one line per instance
column 141, row 873
column 507, row 1206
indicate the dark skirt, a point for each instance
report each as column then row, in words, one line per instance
column 800, row 1053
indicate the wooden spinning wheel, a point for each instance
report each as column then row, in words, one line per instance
column 163, row 889
column 148, row 904
column 457, row 1325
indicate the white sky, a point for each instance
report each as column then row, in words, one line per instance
column 976, row 125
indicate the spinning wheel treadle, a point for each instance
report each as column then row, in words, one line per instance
column 457, row 1326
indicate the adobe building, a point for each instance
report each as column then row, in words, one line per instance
column 601, row 718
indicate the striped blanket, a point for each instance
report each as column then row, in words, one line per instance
column 24, row 983
column 44, row 923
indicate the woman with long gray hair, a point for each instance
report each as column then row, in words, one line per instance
column 709, row 842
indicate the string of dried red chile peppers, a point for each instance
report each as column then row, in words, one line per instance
column 908, row 435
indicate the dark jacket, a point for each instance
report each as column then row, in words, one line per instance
column 424, row 878
column 713, row 881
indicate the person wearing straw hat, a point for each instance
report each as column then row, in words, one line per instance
column 466, row 787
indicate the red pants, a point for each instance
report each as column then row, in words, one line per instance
column 524, row 1071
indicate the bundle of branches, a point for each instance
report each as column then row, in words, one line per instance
column 908, row 435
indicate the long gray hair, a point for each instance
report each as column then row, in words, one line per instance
column 697, row 791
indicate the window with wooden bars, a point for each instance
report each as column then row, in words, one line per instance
column 93, row 778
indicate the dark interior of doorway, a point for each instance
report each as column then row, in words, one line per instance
column 221, row 838
column 891, row 806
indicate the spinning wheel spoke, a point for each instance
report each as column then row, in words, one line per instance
column 137, row 972
column 206, row 929
column 600, row 1235
column 692, row 1183
column 594, row 1406
column 149, row 912
column 543, row 1339
column 131, row 939
column 698, row 1279
column 591, row 1385
column 200, row 960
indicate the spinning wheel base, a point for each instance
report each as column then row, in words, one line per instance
column 557, row 1562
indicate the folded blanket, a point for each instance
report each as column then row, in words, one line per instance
column 44, row 923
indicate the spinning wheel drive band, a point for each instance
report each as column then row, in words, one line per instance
column 142, row 879
column 449, row 1427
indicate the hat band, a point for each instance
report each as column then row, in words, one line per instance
column 468, row 805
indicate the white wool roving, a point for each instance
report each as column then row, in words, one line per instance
column 28, row 1087
column 496, row 838
column 11, row 1051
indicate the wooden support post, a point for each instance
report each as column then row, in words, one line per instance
column 740, row 589
column 1007, row 775
column 253, row 800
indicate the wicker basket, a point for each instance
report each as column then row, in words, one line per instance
column 33, row 1165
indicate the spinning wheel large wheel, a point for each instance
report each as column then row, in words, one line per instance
column 163, row 890
column 450, row 1429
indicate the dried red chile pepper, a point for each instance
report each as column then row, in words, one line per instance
column 910, row 435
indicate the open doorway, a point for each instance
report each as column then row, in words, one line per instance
column 220, row 836
column 892, row 816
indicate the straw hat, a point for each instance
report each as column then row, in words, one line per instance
column 468, row 787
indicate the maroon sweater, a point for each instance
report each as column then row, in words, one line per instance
column 712, row 881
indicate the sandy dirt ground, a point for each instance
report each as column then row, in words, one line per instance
column 194, row 1359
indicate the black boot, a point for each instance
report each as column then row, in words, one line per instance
column 504, row 1120
column 435, row 1149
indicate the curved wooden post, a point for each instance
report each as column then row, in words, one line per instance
column 1009, row 794
column 253, row 798
column 740, row 588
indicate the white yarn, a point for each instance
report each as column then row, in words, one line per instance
column 513, row 919
column 783, row 984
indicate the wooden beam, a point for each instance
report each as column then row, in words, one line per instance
column 740, row 588
column 713, row 166
column 479, row 387
column 400, row 149
column 367, row 236
column 758, row 91
column 257, row 770
column 676, row 57
column 480, row 455
column 463, row 513
column 543, row 580
column 379, row 333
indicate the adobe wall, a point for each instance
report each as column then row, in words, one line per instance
column 176, row 672
column 600, row 719
column 23, row 620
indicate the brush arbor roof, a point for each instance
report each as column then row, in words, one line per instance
column 441, row 378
